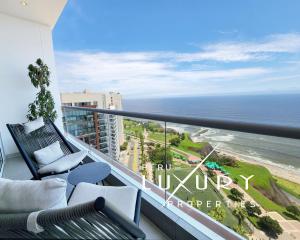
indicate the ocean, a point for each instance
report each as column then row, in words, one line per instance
column 269, row 109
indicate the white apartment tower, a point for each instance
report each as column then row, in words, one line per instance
column 108, row 135
column 114, row 101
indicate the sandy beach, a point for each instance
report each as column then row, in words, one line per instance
column 289, row 174
column 276, row 170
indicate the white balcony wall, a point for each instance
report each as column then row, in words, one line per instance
column 21, row 43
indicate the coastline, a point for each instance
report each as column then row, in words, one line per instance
column 283, row 171
column 288, row 174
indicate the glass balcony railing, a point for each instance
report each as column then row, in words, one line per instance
column 244, row 177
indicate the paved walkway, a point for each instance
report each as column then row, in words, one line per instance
column 149, row 169
column 291, row 228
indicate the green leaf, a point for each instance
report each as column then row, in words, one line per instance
column 43, row 105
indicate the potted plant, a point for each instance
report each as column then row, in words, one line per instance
column 43, row 105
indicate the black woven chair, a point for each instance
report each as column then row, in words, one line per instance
column 43, row 137
column 93, row 220
column 38, row 139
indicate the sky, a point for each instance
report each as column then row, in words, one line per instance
column 170, row 48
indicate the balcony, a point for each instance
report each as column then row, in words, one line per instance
column 159, row 177
column 182, row 165
column 158, row 165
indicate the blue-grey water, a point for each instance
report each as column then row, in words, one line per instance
column 269, row 109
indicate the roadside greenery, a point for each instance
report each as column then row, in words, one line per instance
column 240, row 230
column 270, row 226
column 123, row 147
column 236, row 195
column 294, row 210
column 175, row 141
column 160, row 155
column 288, row 186
column 252, row 210
column 217, row 213
column 240, row 214
column 223, row 160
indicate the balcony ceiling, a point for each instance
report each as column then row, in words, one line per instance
column 45, row 12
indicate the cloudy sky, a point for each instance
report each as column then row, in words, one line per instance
column 165, row 48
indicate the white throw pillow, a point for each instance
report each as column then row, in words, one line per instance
column 33, row 125
column 48, row 154
column 18, row 196
column 63, row 164
column 123, row 199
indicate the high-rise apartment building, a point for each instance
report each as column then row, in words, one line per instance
column 102, row 131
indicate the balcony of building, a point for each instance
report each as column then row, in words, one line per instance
column 167, row 212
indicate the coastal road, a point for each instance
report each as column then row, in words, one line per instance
column 135, row 164
column 133, row 156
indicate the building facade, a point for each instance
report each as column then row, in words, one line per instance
column 101, row 131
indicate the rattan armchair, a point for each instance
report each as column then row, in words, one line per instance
column 40, row 138
column 92, row 220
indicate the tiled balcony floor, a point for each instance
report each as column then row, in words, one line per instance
column 15, row 168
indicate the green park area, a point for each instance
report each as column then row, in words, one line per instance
column 160, row 136
column 179, row 156
column 157, row 134
column 185, row 144
column 259, row 186
column 133, row 128
column 264, row 188
column 288, row 186
column 209, row 195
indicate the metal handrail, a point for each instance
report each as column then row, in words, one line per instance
column 256, row 128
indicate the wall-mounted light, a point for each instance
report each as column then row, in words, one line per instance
column 24, row 3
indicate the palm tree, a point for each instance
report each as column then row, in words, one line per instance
column 240, row 214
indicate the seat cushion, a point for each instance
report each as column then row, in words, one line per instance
column 17, row 196
column 64, row 176
column 64, row 163
column 33, row 125
column 121, row 198
column 48, row 154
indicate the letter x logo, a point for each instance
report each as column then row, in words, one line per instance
column 182, row 182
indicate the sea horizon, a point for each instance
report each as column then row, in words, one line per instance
column 268, row 109
column 278, row 109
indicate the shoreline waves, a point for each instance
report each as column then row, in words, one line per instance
column 285, row 171
column 276, row 170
